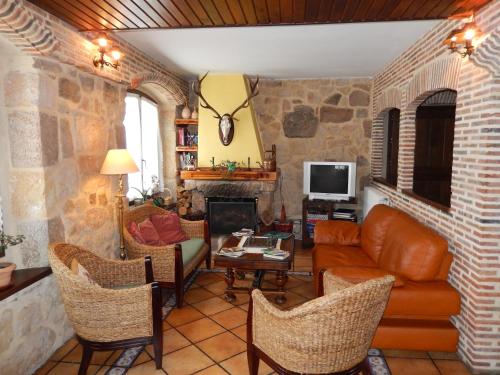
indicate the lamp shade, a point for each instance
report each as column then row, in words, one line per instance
column 118, row 161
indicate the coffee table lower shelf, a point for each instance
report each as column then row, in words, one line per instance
column 281, row 279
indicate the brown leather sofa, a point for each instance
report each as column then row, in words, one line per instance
column 390, row 241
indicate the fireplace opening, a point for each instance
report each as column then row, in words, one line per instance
column 226, row 215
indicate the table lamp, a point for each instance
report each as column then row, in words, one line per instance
column 119, row 162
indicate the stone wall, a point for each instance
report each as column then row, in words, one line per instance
column 472, row 224
column 58, row 118
column 59, row 123
column 325, row 119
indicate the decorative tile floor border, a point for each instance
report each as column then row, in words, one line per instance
column 377, row 362
column 376, row 359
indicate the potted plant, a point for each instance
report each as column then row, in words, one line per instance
column 229, row 165
column 154, row 193
column 6, row 268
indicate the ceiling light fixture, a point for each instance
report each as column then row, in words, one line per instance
column 462, row 40
column 105, row 47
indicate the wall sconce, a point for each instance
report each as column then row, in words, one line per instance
column 462, row 40
column 102, row 59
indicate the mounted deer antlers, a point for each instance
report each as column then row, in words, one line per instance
column 226, row 121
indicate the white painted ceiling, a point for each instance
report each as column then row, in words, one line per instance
column 310, row 51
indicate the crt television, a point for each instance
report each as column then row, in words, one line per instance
column 330, row 180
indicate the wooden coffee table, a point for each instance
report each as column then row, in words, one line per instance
column 258, row 264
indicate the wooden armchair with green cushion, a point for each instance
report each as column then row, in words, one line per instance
column 174, row 263
column 111, row 304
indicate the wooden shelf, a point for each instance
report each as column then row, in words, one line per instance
column 186, row 148
column 254, row 174
column 189, row 121
column 327, row 207
column 23, row 278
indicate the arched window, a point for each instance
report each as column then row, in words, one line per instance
column 390, row 149
column 434, row 126
column 143, row 141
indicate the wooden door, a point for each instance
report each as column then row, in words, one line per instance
column 434, row 153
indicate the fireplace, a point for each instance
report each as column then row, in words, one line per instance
column 229, row 214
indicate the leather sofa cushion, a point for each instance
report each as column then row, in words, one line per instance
column 424, row 299
column 331, row 232
column 375, row 228
column 327, row 256
column 362, row 274
column 412, row 249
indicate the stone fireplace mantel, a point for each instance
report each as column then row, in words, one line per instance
column 243, row 174
column 256, row 183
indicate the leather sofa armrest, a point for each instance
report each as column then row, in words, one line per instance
column 336, row 232
column 357, row 275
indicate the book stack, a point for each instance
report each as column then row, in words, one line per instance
column 344, row 214
column 312, row 219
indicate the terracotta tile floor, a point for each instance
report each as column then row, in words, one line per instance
column 207, row 336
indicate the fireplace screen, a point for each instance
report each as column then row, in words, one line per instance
column 227, row 215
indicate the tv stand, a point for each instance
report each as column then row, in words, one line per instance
column 326, row 207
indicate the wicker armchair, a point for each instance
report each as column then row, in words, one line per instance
column 328, row 335
column 168, row 266
column 105, row 318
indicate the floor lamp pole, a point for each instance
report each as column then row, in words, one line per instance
column 120, row 196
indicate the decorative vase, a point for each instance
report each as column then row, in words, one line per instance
column 194, row 114
column 6, row 270
column 186, row 112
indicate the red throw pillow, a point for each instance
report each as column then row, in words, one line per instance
column 149, row 233
column 169, row 228
column 133, row 229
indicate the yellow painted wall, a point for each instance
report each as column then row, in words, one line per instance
column 225, row 92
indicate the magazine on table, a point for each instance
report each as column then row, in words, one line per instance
column 243, row 232
column 233, row 252
column 276, row 254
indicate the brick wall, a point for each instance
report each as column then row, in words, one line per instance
column 472, row 224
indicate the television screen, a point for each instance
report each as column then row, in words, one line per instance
column 329, row 179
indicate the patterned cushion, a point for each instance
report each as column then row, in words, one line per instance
column 150, row 234
column 169, row 228
column 133, row 229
